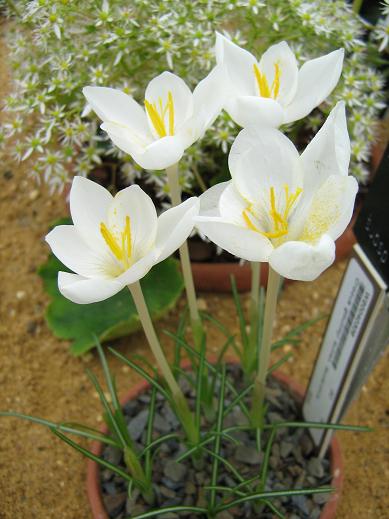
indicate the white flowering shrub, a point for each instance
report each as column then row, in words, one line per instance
column 58, row 46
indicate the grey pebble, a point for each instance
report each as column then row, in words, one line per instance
column 320, row 499
column 113, row 455
column 302, row 504
column 175, row 471
column 249, row 455
column 138, row 424
column 285, row 449
column 115, row 503
column 315, row 467
column 161, row 425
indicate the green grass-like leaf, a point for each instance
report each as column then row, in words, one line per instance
column 112, row 318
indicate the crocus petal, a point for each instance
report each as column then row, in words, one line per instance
column 260, row 159
column 157, row 93
column 174, row 227
column 209, row 201
column 232, row 205
column 243, row 243
column 254, row 111
column 113, row 105
column 83, row 290
column 331, row 208
column 89, row 204
column 303, row 261
column 329, row 151
column 157, row 155
column 316, row 80
column 281, row 56
column 239, row 66
column 208, row 100
column 139, row 269
column 134, row 203
column 69, row 247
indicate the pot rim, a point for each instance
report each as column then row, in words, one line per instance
column 336, row 460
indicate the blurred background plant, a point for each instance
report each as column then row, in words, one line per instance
column 59, row 46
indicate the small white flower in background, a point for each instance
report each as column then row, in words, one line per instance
column 280, row 207
column 273, row 90
column 114, row 241
column 173, row 119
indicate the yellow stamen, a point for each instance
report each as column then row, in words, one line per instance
column 249, row 223
column 123, row 251
column 263, row 87
column 157, row 115
column 280, row 221
column 126, row 239
column 111, row 242
column 156, row 119
column 170, row 107
column 276, row 81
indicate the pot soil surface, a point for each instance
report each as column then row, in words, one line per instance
column 292, row 465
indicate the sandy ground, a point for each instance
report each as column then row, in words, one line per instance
column 40, row 477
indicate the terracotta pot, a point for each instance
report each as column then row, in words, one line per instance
column 216, row 277
column 93, row 469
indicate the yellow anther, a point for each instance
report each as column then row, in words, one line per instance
column 276, row 81
column 111, row 242
column 170, row 107
column 279, row 221
column 123, row 251
column 249, row 223
column 263, row 85
column 157, row 115
column 126, row 239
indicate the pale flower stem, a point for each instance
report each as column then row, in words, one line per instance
column 179, row 399
column 175, row 195
column 254, row 314
column 148, row 327
column 273, row 284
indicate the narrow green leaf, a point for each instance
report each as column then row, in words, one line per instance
column 273, row 494
column 319, row 425
column 118, row 415
column 226, row 463
column 90, row 455
column 142, row 372
column 149, row 434
column 212, row 369
column 279, row 363
column 180, row 333
column 193, row 449
column 170, row 509
column 220, row 488
column 114, row 427
column 274, row 509
column 239, row 311
column 67, row 427
column 238, row 398
column 217, row 444
column 282, row 342
column 266, row 458
column 155, row 443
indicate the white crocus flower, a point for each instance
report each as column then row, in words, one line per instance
column 172, row 119
column 274, row 91
column 114, row 241
column 281, row 207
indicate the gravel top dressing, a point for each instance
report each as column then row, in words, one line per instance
column 292, row 463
